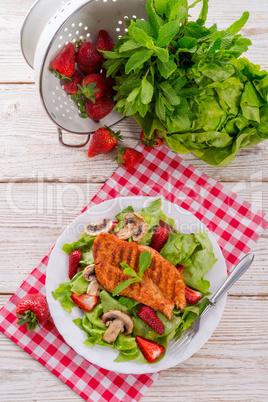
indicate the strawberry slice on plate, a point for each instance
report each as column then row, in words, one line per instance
column 159, row 238
column 85, row 301
column 148, row 315
column 150, row 349
column 192, row 295
column 74, row 259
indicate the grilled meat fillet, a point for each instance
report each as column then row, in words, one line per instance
column 164, row 286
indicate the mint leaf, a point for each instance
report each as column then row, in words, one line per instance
column 146, row 27
column 133, row 94
column 166, row 69
column 167, row 32
column 144, row 262
column 160, row 108
column 124, row 285
column 187, row 43
column 138, row 59
column 142, row 38
column 203, row 14
column 237, row 25
column 169, row 93
column 160, row 6
column 147, row 91
column 154, row 19
column 113, row 66
column 130, row 272
column 129, row 45
column 162, row 54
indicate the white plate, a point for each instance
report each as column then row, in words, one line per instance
column 57, row 272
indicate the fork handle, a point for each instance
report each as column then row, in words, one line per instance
column 240, row 268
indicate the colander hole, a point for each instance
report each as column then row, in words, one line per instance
column 65, row 103
column 114, row 0
column 134, row 16
column 62, row 10
column 53, row 93
column 86, row 28
column 57, row 88
column 64, row 95
column 53, row 100
column 61, row 106
column 57, row 108
column 126, row 16
column 70, row 118
column 88, row 35
column 70, row 35
column 61, row 37
column 119, row 22
column 118, row 29
column 67, row 111
column 126, row 30
column 72, row 107
column 73, row 24
column 59, row 98
column 74, row 40
column 104, row 1
column 81, row 37
column 77, row 32
column 119, row 36
column 59, row 45
column 65, row 29
column 76, row 116
column 55, row 17
column 80, row 24
column 63, row 115
column 66, row 43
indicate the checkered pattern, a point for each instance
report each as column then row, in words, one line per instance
column 235, row 223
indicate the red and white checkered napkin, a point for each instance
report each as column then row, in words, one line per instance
column 235, row 223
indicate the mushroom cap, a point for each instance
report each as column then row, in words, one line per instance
column 134, row 226
column 112, row 315
column 88, row 271
column 96, row 228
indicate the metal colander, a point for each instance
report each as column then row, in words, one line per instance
column 48, row 26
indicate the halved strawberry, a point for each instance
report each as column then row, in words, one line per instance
column 148, row 315
column 159, row 238
column 74, row 259
column 180, row 267
column 85, row 301
column 166, row 226
column 192, row 295
column 150, row 349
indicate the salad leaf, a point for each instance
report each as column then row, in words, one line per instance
column 110, row 303
column 63, row 295
column 84, row 244
column 78, row 284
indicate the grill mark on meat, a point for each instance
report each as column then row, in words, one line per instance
column 158, row 275
column 129, row 255
column 174, row 291
column 97, row 247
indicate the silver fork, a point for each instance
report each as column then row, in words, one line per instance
column 238, row 271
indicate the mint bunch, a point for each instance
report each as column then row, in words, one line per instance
column 189, row 82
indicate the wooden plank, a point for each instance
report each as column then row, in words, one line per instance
column 30, row 149
column 231, row 366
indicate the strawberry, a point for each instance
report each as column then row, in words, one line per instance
column 180, row 267
column 159, row 238
column 148, row 315
column 87, row 55
column 85, row 301
column 74, row 259
column 103, row 140
column 71, row 87
column 33, row 310
column 104, row 41
column 114, row 226
column 166, row 226
column 109, row 84
column 94, row 81
column 101, row 108
column 90, row 70
column 129, row 157
column 192, row 295
column 64, row 63
column 150, row 349
column 153, row 142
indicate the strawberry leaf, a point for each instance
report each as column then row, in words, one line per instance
column 60, row 76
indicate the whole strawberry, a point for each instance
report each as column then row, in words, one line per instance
column 64, row 63
column 33, row 310
column 72, row 87
column 159, row 238
column 104, row 41
column 95, row 82
column 100, row 109
column 148, row 315
column 87, row 55
column 74, row 259
column 129, row 157
column 90, row 70
column 103, row 140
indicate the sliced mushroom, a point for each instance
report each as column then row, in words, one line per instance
column 134, row 226
column 117, row 322
column 94, row 286
column 89, row 270
column 96, row 228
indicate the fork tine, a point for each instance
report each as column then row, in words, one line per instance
column 183, row 343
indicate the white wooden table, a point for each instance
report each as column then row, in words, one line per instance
column 43, row 186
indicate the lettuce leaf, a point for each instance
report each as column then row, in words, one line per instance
column 84, row 244
column 63, row 295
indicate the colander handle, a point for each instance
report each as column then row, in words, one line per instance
column 72, row 145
